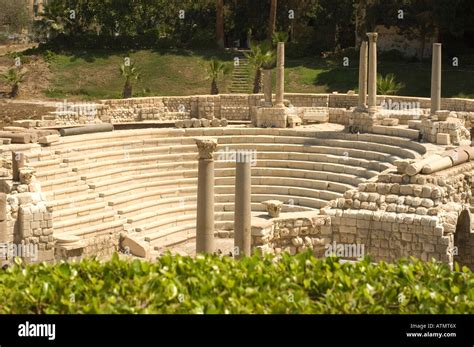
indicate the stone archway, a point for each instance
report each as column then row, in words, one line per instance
column 463, row 241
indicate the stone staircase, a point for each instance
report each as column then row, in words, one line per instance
column 240, row 75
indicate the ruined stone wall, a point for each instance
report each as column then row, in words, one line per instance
column 396, row 216
column 394, row 40
column 242, row 106
column 292, row 233
column 401, row 216
column 27, row 220
column 448, row 132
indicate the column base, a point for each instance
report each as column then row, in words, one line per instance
column 373, row 110
column 277, row 117
column 362, row 108
column 360, row 120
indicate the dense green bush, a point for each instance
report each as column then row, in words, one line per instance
column 209, row 284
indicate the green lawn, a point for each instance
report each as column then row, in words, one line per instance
column 96, row 75
column 92, row 75
column 322, row 76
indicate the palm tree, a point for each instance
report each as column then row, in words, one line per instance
column 220, row 23
column 130, row 73
column 14, row 77
column 272, row 18
column 279, row 36
column 215, row 70
column 388, row 85
column 260, row 56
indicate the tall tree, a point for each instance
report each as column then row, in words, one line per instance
column 260, row 56
column 220, row 23
column 14, row 14
column 424, row 19
column 272, row 19
column 338, row 15
column 360, row 21
column 216, row 70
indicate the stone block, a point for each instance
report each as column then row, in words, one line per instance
column 135, row 247
column 443, row 139
column 3, row 206
column 390, row 121
column 49, row 139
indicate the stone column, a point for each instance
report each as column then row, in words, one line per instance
column 267, row 87
column 372, row 80
column 243, row 200
column 40, row 6
column 18, row 162
column 363, row 76
column 280, row 75
column 436, row 79
column 205, row 196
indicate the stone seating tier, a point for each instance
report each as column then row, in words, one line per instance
column 144, row 182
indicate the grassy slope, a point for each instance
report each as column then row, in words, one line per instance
column 95, row 75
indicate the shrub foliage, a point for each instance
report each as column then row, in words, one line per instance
column 209, row 284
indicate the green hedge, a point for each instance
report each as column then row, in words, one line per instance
column 209, row 284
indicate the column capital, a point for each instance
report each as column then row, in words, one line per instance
column 372, row 36
column 206, row 147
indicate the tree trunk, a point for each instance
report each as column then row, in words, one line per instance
column 214, row 89
column 15, row 90
column 361, row 22
column 127, row 89
column 220, row 23
column 257, row 82
column 337, row 46
column 422, row 46
column 272, row 19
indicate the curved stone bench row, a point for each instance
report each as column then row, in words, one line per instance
column 155, row 137
column 147, row 134
column 145, row 181
column 289, row 178
column 342, row 181
column 160, row 146
column 178, row 152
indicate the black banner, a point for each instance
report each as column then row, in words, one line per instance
column 447, row 330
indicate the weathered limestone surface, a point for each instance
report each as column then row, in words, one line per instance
column 372, row 77
column 363, row 76
column 273, row 207
column 452, row 126
column 307, row 168
column 280, row 74
column 267, row 87
column 292, row 233
column 243, row 107
column 26, row 220
column 243, row 201
column 436, row 78
column 401, row 215
column 205, row 196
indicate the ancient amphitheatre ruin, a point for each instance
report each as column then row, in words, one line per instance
column 146, row 175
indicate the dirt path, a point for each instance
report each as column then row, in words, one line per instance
column 5, row 49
